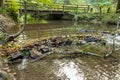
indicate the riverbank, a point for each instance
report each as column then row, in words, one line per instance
column 6, row 21
column 98, row 18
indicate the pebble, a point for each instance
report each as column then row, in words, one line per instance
column 9, row 70
column 14, row 73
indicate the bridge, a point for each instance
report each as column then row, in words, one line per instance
column 58, row 10
column 49, row 9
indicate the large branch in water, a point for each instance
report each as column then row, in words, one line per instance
column 12, row 37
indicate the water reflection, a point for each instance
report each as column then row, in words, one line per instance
column 22, row 38
column 69, row 71
column 66, row 27
column 81, row 68
column 88, row 69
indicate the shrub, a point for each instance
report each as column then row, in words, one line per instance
column 110, row 18
column 12, row 10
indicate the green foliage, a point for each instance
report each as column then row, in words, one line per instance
column 79, row 2
column 2, row 11
column 12, row 10
column 99, row 4
column 110, row 18
column 87, row 16
column 2, row 36
column 31, row 19
column 12, row 14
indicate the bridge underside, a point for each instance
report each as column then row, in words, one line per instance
column 55, row 15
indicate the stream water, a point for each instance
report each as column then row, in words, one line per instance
column 68, row 68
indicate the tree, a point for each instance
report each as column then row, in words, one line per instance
column 79, row 2
column 1, row 3
column 6, row 37
column 118, row 6
column 99, row 4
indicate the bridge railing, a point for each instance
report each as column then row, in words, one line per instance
column 57, row 7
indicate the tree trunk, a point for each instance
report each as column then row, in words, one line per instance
column 108, row 10
column 1, row 3
column 12, row 37
column 100, row 9
column 118, row 7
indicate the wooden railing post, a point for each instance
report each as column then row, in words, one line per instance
column 88, row 8
column 63, row 8
column 20, row 10
column 2, row 5
column 38, row 8
column 25, row 12
column 77, row 9
column 10, row 5
column 2, row 2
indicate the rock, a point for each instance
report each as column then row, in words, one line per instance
column 9, row 70
column 73, row 43
column 81, row 31
column 91, row 39
column 6, row 68
column 1, row 62
column 103, row 43
column 87, row 31
column 3, row 76
column 44, row 49
column 34, row 53
column 65, row 43
column 23, row 65
column 105, row 32
column 14, row 73
column 16, row 56
column 82, row 42
column 95, row 22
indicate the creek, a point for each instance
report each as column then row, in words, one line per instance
column 66, row 67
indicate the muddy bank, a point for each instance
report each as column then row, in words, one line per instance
column 5, row 72
column 6, row 21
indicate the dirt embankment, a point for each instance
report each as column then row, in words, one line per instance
column 6, row 21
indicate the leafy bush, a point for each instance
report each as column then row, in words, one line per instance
column 110, row 18
column 12, row 10
column 105, row 18
column 12, row 14
column 31, row 19
column 2, row 11
column 87, row 16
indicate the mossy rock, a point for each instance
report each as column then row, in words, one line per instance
column 4, row 76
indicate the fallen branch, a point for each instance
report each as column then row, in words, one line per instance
column 109, row 53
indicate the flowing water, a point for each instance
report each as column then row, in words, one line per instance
column 66, row 67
